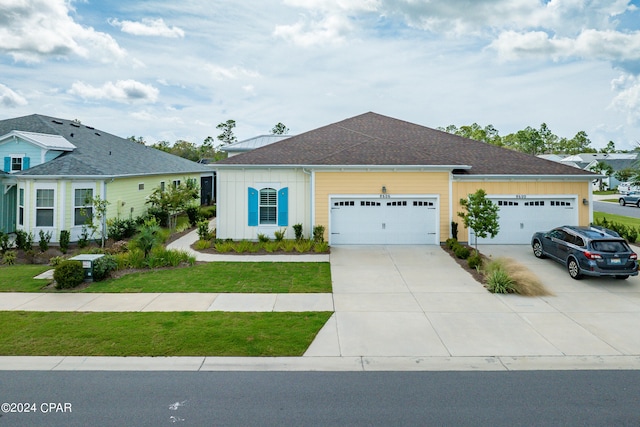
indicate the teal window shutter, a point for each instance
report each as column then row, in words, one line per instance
column 7, row 164
column 26, row 163
column 253, row 206
column 283, row 207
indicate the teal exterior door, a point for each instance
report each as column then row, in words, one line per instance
column 8, row 207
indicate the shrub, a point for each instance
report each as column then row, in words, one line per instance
column 118, row 247
column 65, row 238
column 193, row 213
column 451, row 242
column 9, row 257
column 202, row 244
column 161, row 216
column 318, row 233
column 208, row 212
column 103, row 266
column 279, row 235
column 119, row 229
column 203, row 230
column 475, row 260
column 56, row 260
column 321, row 247
column 454, row 230
column 45, row 238
column 223, row 246
column 499, row 282
column 83, row 241
column 5, row 243
column 289, row 245
column 263, row 238
column 24, row 240
column 136, row 258
column 242, row 246
column 297, row 229
column 271, row 246
column 461, row 252
column 68, row 274
column 304, row 245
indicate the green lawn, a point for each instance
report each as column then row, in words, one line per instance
column 157, row 334
column 242, row 277
column 626, row 220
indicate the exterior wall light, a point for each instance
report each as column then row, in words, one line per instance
column 384, row 190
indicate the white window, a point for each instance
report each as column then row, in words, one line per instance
column 141, row 186
column 82, row 206
column 268, row 206
column 44, row 207
column 176, row 183
column 161, row 185
column 21, row 207
column 16, row 164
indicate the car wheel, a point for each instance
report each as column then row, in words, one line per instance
column 621, row 201
column 574, row 269
column 622, row 277
column 638, row 204
column 537, row 249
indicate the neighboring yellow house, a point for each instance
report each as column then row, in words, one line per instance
column 52, row 166
column 372, row 179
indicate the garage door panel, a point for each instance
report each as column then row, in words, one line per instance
column 383, row 221
column 520, row 218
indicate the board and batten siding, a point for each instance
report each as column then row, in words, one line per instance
column 127, row 200
column 233, row 204
column 329, row 184
column 581, row 189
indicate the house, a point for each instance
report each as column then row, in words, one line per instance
column 373, row 179
column 588, row 161
column 251, row 144
column 51, row 166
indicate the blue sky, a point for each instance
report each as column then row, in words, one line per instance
column 167, row 70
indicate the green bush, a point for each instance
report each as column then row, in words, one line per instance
column 161, row 216
column 461, row 252
column 202, row 244
column 454, row 230
column 193, row 213
column 45, row 238
column 83, row 241
column 451, row 242
column 9, row 257
column 68, row 274
column 297, row 229
column 321, row 247
column 279, row 235
column 203, row 230
column 208, row 212
column 65, row 238
column 318, row 233
column 499, row 282
column 305, row 245
column 24, row 240
column 5, row 243
column 119, row 229
column 475, row 260
column 263, row 238
column 56, row 260
column 223, row 246
column 103, row 266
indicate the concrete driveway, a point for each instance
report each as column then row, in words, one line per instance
column 416, row 301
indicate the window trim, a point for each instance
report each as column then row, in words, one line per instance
column 83, row 206
column 270, row 205
column 51, row 208
column 21, row 206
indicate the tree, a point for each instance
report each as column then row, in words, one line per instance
column 481, row 215
column 279, row 129
column 580, row 143
column 175, row 199
column 227, row 136
column 162, row 146
column 624, row 175
column 186, row 150
column 602, row 168
column 98, row 212
column 610, row 148
column 139, row 139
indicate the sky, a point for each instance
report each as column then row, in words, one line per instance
column 168, row 70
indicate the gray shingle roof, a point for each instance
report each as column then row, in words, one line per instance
column 97, row 153
column 372, row 139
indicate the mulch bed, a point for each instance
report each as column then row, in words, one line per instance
column 465, row 266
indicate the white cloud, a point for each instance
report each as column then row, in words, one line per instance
column 148, row 27
column 33, row 29
column 330, row 29
column 590, row 44
column 628, row 98
column 222, row 73
column 10, row 99
column 126, row 91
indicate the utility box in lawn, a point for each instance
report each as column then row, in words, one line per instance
column 87, row 261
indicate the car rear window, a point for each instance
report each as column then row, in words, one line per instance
column 609, row 246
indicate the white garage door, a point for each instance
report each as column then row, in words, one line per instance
column 376, row 221
column 521, row 217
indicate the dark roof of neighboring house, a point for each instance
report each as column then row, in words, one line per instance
column 619, row 164
column 97, row 153
column 372, row 139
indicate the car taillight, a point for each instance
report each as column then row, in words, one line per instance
column 633, row 256
column 590, row 255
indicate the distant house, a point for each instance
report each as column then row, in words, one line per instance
column 587, row 161
column 51, row 166
column 252, row 143
column 373, row 179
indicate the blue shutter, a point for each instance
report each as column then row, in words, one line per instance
column 7, row 164
column 26, row 163
column 283, row 207
column 253, row 206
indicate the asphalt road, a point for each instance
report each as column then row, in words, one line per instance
column 614, row 208
column 541, row 398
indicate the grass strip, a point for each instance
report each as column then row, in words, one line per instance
column 626, row 220
column 158, row 334
column 240, row 277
